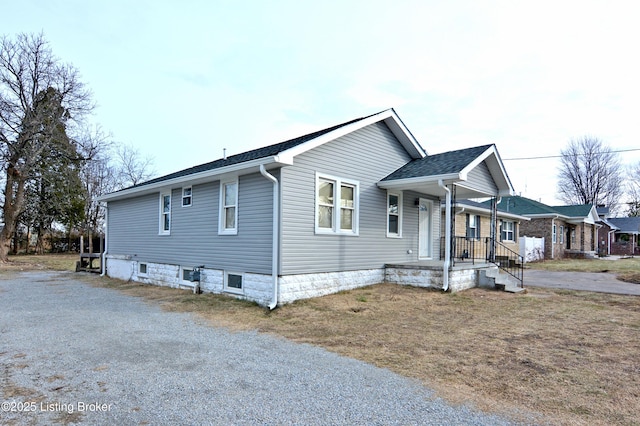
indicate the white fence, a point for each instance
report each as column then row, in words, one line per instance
column 532, row 248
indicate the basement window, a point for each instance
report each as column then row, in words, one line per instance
column 142, row 269
column 233, row 282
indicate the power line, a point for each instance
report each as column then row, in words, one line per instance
column 560, row 156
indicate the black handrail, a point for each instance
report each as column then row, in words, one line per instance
column 470, row 250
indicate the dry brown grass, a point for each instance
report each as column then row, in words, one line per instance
column 572, row 356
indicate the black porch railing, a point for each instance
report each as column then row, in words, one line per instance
column 483, row 250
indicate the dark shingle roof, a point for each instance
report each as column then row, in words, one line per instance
column 628, row 225
column 526, row 206
column 255, row 154
column 438, row 164
column 576, row 210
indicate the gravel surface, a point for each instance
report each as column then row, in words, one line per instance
column 72, row 353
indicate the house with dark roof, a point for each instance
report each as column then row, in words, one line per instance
column 626, row 236
column 321, row 213
column 568, row 231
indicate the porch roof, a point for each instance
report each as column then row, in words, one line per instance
column 626, row 225
column 453, row 167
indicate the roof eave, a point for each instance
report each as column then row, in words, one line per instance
column 201, row 177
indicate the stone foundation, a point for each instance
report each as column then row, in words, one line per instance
column 305, row 286
column 259, row 287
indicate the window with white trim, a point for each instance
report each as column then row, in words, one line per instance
column 165, row 213
column 554, row 237
column 561, row 234
column 394, row 214
column 228, row 222
column 142, row 269
column 186, row 196
column 233, row 282
column 336, row 206
column 508, row 231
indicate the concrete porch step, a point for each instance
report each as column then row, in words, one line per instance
column 510, row 288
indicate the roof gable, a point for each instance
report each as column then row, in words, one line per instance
column 452, row 167
column 446, row 163
column 279, row 154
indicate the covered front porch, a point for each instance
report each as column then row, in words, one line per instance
column 473, row 173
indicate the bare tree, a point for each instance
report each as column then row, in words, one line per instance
column 633, row 191
column 30, row 75
column 132, row 167
column 590, row 173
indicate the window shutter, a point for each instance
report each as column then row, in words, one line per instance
column 468, row 228
column 478, row 233
column 501, row 227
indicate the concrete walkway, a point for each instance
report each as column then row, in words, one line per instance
column 588, row 281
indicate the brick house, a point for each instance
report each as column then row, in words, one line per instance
column 568, row 231
column 626, row 235
column 473, row 222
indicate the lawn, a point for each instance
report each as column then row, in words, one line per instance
column 571, row 356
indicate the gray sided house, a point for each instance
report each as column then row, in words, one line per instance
column 310, row 216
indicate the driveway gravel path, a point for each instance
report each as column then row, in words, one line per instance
column 73, row 353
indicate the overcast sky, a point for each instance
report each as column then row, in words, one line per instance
column 181, row 80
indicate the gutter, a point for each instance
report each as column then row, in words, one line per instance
column 103, row 262
column 447, row 236
column 275, row 255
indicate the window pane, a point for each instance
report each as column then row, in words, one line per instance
column 346, row 196
column 166, row 203
column 393, row 204
column 346, row 219
column 230, row 218
column 230, row 194
column 325, row 193
column 393, row 224
column 186, row 192
column 325, row 217
column 234, row 281
column 165, row 225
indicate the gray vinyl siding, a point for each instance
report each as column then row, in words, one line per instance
column 134, row 228
column 366, row 156
column 480, row 178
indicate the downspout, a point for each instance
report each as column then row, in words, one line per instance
column 447, row 235
column 275, row 256
column 103, row 262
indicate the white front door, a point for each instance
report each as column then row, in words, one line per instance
column 424, row 229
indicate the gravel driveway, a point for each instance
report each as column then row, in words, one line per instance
column 72, row 353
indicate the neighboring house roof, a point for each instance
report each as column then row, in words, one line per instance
column 534, row 209
column 450, row 167
column 609, row 224
column 276, row 155
column 626, row 225
column 603, row 211
column 469, row 206
column 579, row 210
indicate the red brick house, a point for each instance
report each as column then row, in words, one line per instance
column 568, row 231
